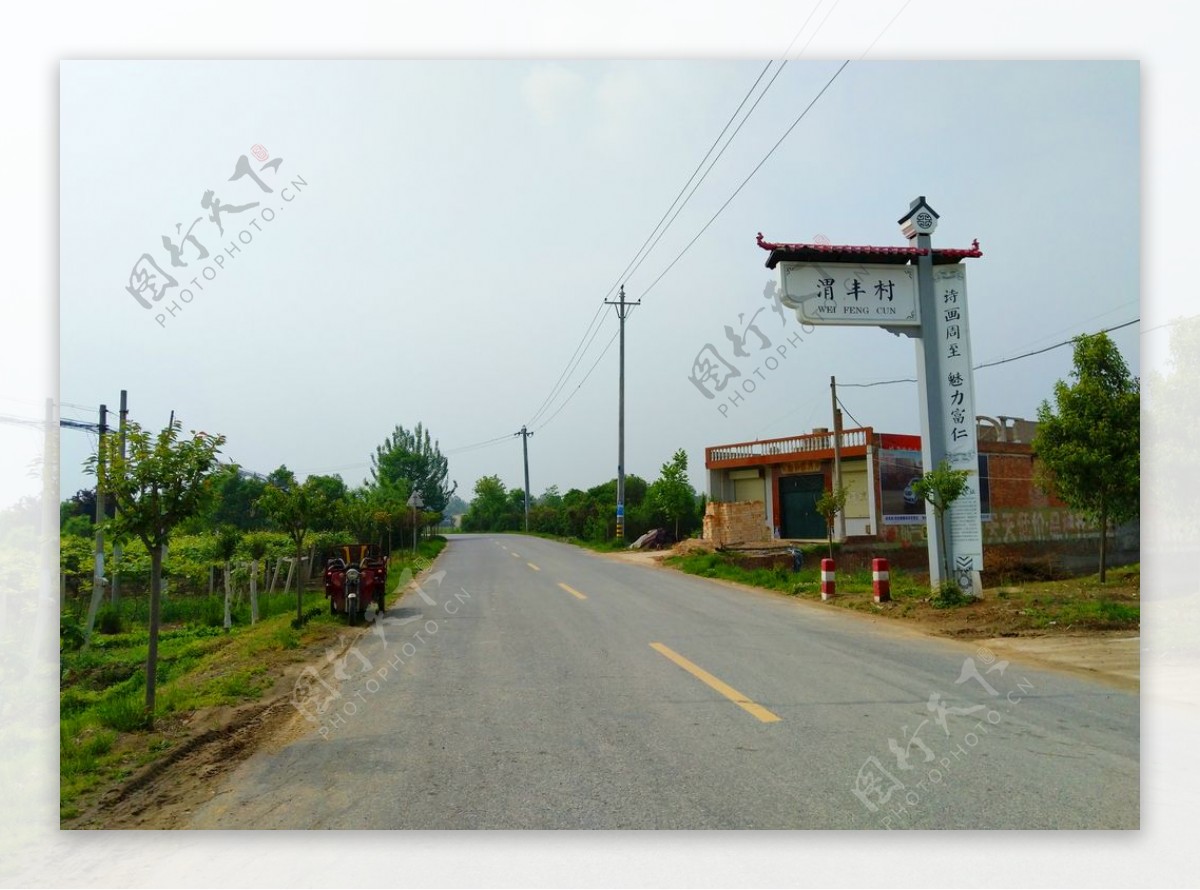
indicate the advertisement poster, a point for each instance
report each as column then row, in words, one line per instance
column 899, row 469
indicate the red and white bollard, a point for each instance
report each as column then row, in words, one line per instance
column 827, row 579
column 881, row 580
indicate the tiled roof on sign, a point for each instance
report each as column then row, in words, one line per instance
column 848, row 253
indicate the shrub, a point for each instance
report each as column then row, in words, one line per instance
column 70, row 634
column 124, row 713
column 949, row 595
column 109, row 621
column 307, row 616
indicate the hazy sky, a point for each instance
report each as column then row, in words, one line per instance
column 452, row 229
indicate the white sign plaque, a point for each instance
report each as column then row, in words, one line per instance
column 851, row 293
column 957, row 390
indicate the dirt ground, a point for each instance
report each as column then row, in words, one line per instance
column 211, row 743
column 1113, row 657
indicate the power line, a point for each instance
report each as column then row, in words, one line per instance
column 476, row 445
column 804, row 25
column 778, row 71
column 624, row 276
column 880, row 382
column 1002, row 361
column 814, row 34
column 1055, row 346
column 885, row 28
column 842, row 405
column 607, row 347
column 757, row 167
column 1169, row 324
column 1079, row 322
column 642, row 252
column 738, row 129
column 572, row 363
column 883, row 31
column 710, row 222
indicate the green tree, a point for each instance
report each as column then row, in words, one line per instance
column 334, row 490
column 78, row 526
column 941, row 487
column 159, row 482
column 672, row 494
column 390, row 513
column 413, row 457
column 82, row 503
column 298, row 509
column 829, row 505
column 487, row 509
column 357, row 516
column 233, row 503
column 1088, row 445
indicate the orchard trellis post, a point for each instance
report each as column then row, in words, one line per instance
column 921, row 293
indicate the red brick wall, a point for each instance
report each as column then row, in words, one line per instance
column 1012, row 478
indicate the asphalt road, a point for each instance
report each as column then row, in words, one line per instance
column 531, row 684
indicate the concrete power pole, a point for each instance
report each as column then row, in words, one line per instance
column 98, row 558
column 837, row 455
column 117, row 550
column 52, row 579
column 623, row 309
column 525, row 434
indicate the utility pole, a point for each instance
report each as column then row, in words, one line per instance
column 117, row 549
column 837, row 454
column 525, row 434
column 623, row 309
column 98, row 558
column 52, row 579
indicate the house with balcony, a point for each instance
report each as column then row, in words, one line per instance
column 766, row 491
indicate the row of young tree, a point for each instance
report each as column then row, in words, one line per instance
column 669, row 502
column 376, row 511
column 160, row 485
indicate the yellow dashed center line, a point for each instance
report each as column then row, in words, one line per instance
column 532, row 566
column 724, row 688
column 571, row 590
column 515, row 553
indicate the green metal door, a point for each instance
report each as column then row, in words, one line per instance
column 798, row 496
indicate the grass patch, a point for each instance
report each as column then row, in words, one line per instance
column 949, row 595
column 610, row 545
column 1065, row 605
column 104, row 732
column 124, row 712
column 726, row 567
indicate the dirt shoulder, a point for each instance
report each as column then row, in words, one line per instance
column 200, row 749
column 209, row 743
column 999, row 622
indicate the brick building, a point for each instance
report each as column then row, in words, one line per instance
column 766, row 490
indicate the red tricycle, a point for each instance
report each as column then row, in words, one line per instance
column 355, row 579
